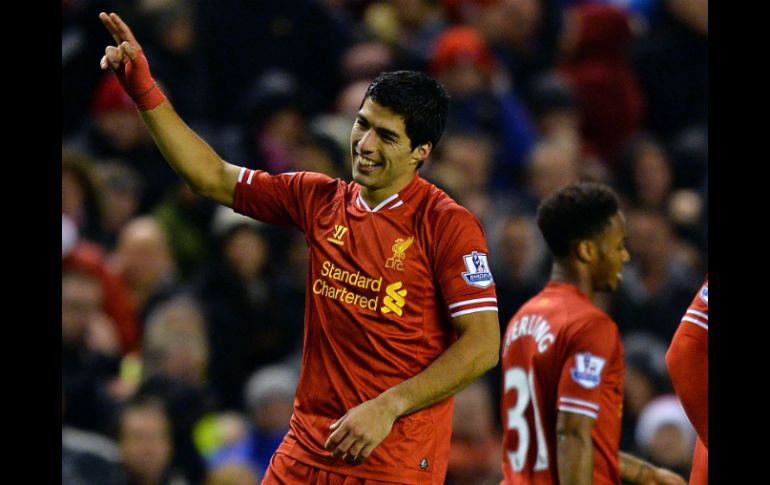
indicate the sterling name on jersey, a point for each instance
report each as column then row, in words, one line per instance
column 559, row 353
column 383, row 284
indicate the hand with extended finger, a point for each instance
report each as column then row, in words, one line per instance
column 128, row 63
column 356, row 434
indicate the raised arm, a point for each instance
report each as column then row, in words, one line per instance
column 356, row 434
column 191, row 157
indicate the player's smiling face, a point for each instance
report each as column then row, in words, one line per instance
column 613, row 254
column 383, row 159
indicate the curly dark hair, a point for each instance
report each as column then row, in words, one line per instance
column 578, row 211
column 422, row 102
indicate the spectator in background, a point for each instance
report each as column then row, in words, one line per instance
column 665, row 436
column 90, row 353
column 171, row 33
column 81, row 194
column 115, row 130
column 551, row 165
column 409, row 25
column 649, row 179
column 474, row 455
column 554, row 108
column 269, row 401
column 185, row 219
column 146, row 447
column 596, row 50
column 658, row 283
column 174, row 362
column 461, row 60
column 246, row 328
column 522, row 34
column 672, row 62
column 89, row 458
column 144, row 260
column 122, row 188
column 84, row 256
column 336, row 124
column 519, row 253
column 463, row 166
column 645, row 379
column 645, row 173
column 243, row 40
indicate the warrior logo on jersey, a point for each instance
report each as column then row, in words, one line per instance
column 588, row 369
column 704, row 294
column 399, row 253
column 336, row 237
column 478, row 273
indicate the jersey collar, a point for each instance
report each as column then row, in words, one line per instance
column 392, row 202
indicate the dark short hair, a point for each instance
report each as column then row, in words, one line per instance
column 421, row 101
column 581, row 210
column 140, row 402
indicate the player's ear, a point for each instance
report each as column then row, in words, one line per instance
column 586, row 250
column 421, row 152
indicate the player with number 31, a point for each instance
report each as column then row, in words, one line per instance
column 563, row 359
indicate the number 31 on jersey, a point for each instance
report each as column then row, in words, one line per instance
column 524, row 384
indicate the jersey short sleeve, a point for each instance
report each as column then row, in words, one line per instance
column 688, row 364
column 285, row 199
column 589, row 355
column 698, row 312
column 462, row 265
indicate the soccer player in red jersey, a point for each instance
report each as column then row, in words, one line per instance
column 401, row 311
column 562, row 356
column 687, row 360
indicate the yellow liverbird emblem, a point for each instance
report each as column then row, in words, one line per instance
column 399, row 253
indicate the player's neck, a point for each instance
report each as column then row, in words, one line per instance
column 562, row 272
column 373, row 197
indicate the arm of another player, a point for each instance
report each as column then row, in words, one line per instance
column 356, row 434
column 574, row 448
column 638, row 471
column 687, row 360
column 191, row 157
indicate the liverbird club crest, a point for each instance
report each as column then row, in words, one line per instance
column 399, row 253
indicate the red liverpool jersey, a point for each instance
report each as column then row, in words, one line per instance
column 383, row 284
column 559, row 353
column 688, row 365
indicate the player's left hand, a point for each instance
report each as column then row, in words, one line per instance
column 661, row 476
column 356, row 434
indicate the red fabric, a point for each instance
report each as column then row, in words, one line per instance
column 285, row 470
column 460, row 44
column 137, row 81
column 89, row 257
column 552, row 338
column 110, row 96
column 687, row 360
column 700, row 465
column 380, row 287
column 610, row 97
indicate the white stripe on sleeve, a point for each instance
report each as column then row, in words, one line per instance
column 704, row 316
column 474, row 310
column 251, row 175
column 570, row 400
column 470, row 302
column 696, row 322
column 584, row 412
column 240, row 174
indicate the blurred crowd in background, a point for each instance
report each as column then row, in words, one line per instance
column 182, row 322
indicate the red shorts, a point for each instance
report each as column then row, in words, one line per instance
column 285, row 470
